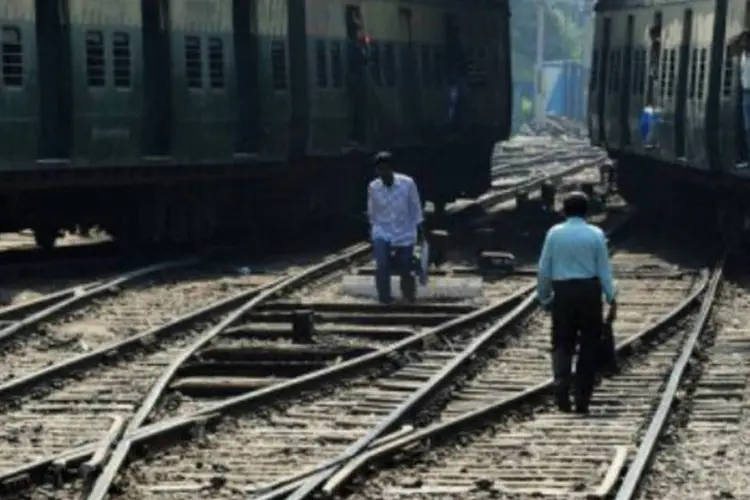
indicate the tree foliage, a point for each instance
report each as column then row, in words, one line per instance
column 563, row 34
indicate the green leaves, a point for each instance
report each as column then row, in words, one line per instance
column 563, row 34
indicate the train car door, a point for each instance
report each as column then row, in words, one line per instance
column 680, row 117
column 626, row 95
column 157, row 78
column 356, row 78
column 246, row 55
column 298, row 78
column 410, row 107
column 55, row 79
column 715, row 76
column 601, row 97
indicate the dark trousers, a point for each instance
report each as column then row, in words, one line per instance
column 400, row 256
column 746, row 121
column 576, row 321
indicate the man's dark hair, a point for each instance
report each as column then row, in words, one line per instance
column 383, row 159
column 576, row 205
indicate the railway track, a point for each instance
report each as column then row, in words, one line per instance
column 156, row 374
column 701, row 452
column 496, row 434
column 90, row 365
column 355, row 390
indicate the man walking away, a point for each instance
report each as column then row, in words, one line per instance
column 395, row 213
column 573, row 269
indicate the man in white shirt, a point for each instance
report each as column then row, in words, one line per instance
column 745, row 83
column 395, row 212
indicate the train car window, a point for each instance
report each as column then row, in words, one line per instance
column 193, row 62
column 672, row 72
column 693, row 74
column 439, row 66
column 216, row 63
column 611, row 71
column 389, row 65
column 12, row 57
column 337, row 65
column 376, row 70
column 321, row 64
column 616, row 71
column 593, row 78
column 702, row 73
column 653, row 83
column 728, row 76
column 636, row 62
column 663, row 73
column 121, row 60
column 95, row 62
column 278, row 65
column 643, row 73
column 426, row 66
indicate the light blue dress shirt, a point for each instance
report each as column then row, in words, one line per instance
column 395, row 211
column 574, row 249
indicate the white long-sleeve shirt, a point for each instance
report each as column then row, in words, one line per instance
column 745, row 70
column 394, row 211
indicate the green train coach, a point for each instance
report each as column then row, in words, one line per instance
column 174, row 120
column 665, row 100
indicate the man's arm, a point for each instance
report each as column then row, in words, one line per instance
column 544, row 277
column 370, row 206
column 415, row 206
column 604, row 268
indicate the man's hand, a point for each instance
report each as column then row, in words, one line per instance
column 612, row 313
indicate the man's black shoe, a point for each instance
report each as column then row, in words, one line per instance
column 563, row 404
column 582, row 409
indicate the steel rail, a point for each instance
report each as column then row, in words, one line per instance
column 68, row 365
column 418, row 397
column 135, row 433
column 80, row 454
column 561, row 155
column 77, row 455
column 109, row 471
column 471, row 418
column 62, row 367
column 495, row 197
column 89, row 293
column 318, row 377
column 638, row 467
column 540, row 177
column 49, row 298
column 140, row 434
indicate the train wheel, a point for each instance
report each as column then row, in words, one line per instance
column 45, row 237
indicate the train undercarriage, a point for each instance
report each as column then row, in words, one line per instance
column 696, row 200
column 234, row 203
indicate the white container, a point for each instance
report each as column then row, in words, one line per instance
column 439, row 287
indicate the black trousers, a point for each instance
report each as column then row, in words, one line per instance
column 576, row 322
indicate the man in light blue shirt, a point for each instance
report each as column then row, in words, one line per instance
column 574, row 270
column 395, row 212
